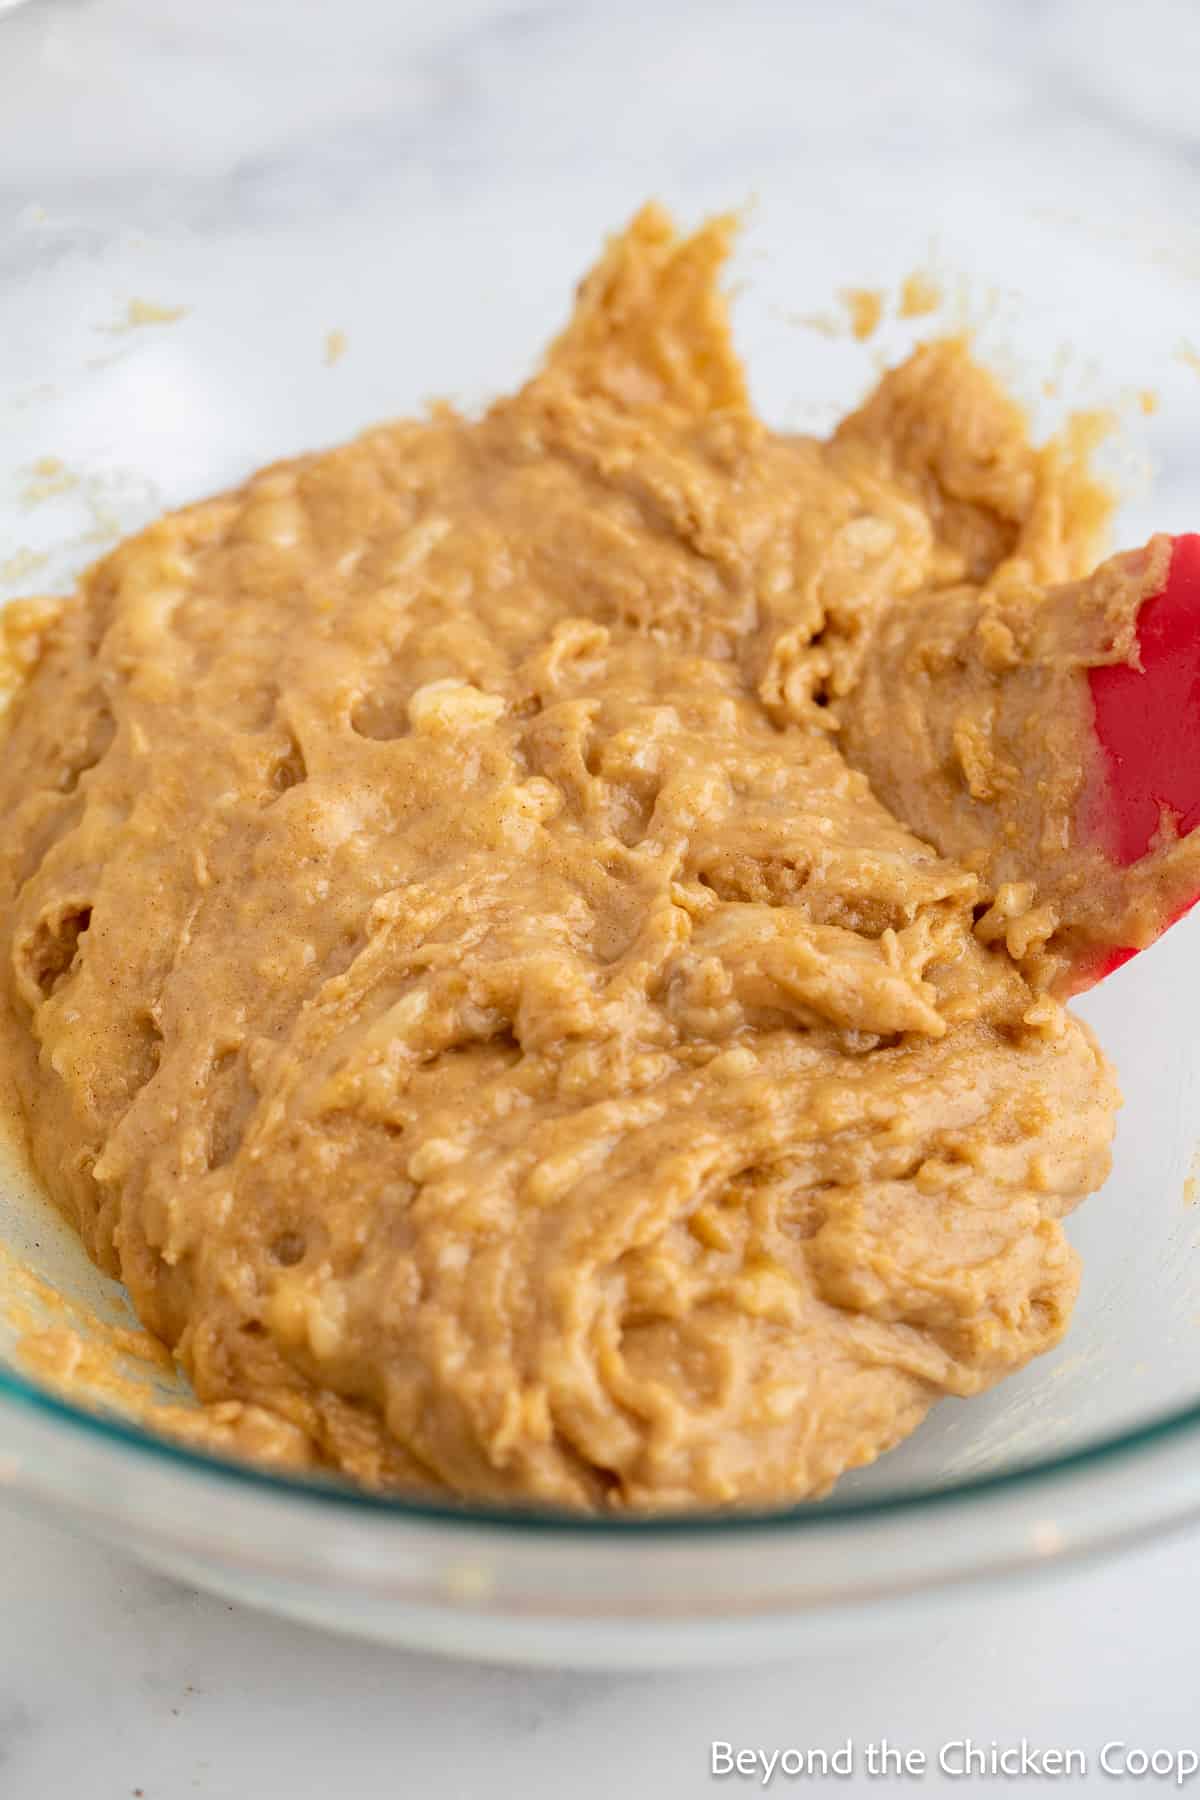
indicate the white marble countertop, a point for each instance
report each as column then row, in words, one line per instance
column 113, row 1680
column 549, row 122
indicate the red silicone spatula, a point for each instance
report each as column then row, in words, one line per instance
column 966, row 718
column 1148, row 725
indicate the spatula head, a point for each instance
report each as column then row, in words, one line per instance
column 1148, row 719
column 1148, row 725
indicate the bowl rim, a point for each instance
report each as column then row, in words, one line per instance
column 328, row 1492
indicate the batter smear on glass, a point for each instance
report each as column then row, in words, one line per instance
column 521, row 943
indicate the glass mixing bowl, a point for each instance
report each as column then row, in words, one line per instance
column 205, row 290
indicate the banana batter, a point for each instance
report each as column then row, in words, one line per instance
column 456, row 978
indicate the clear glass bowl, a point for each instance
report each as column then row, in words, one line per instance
column 344, row 248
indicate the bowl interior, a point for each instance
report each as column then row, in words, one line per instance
column 141, row 368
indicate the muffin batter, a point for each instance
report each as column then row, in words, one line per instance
column 457, row 980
